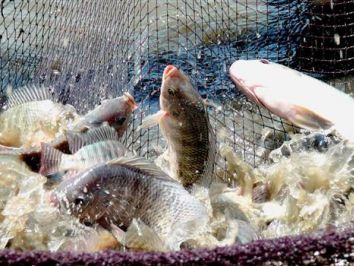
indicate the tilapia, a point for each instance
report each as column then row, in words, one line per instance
column 292, row 95
column 32, row 156
column 91, row 148
column 32, row 117
column 184, row 122
column 116, row 112
column 114, row 193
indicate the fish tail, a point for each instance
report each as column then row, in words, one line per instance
column 50, row 160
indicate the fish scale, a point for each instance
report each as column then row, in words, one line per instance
column 191, row 156
column 134, row 192
column 187, row 129
column 53, row 161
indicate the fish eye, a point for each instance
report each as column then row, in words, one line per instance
column 174, row 113
column 171, row 92
column 79, row 201
column 264, row 61
column 120, row 121
column 87, row 223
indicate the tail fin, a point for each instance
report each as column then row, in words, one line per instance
column 50, row 160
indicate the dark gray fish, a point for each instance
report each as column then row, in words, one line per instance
column 116, row 112
column 184, row 122
column 115, row 193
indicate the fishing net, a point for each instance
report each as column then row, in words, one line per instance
column 92, row 50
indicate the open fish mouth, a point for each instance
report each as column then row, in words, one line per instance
column 170, row 71
column 131, row 101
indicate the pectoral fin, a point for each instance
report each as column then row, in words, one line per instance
column 138, row 236
column 303, row 117
column 142, row 237
column 152, row 120
column 118, row 233
column 283, row 107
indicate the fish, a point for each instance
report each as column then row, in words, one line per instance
column 96, row 146
column 113, row 193
column 115, row 112
column 78, row 139
column 33, row 116
column 184, row 122
column 302, row 100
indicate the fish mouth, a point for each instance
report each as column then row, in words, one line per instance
column 131, row 101
column 171, row 71
column 249, row 91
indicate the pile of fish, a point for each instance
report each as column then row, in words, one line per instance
column 69, row 183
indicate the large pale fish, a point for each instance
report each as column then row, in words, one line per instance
column 32, row 117
column 116, row 112
column 96, row 146
column 114, row 193
column 292, row 95
column 184, row 122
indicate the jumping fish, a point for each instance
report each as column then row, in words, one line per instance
column 116, row 112
column 94, row 147
column 184, row 122
column 294, row 96
column 32, row 116
column 116, row 192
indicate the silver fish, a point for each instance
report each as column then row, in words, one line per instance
column 116, row 112
column 96, row 146
column 184, row 122
column 114, row 193
column 32, row 117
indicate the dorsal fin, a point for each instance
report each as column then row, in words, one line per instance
column 77, row 140
column 29, row 93
column 142, row 164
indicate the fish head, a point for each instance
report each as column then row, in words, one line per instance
column 79, row 196
column 116, row 112
column 283, row 91
column 177, row 93
column 249, row 75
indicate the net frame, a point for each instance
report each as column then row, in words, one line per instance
column 111, row 46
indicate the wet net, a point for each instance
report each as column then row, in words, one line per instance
column 91, row 50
